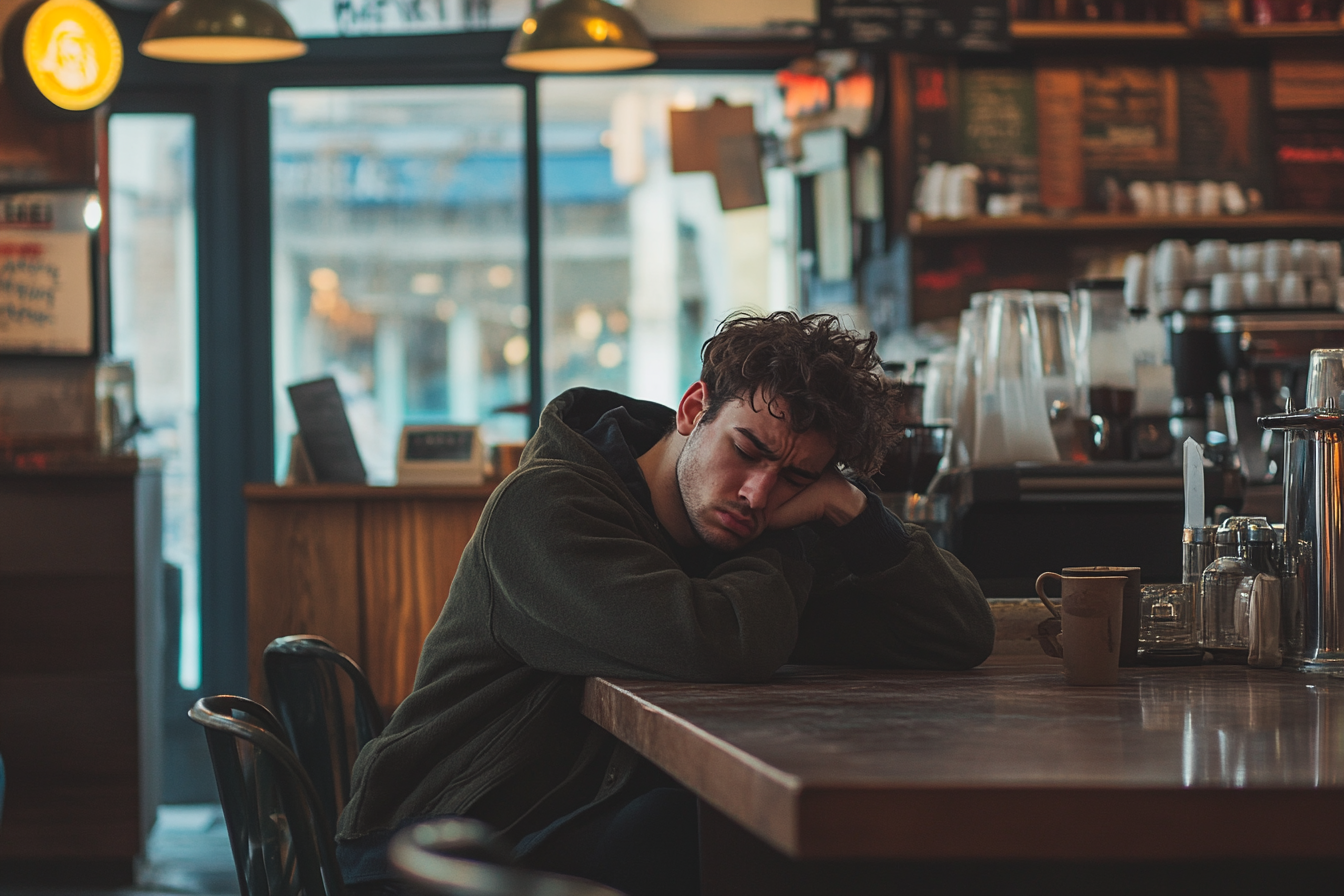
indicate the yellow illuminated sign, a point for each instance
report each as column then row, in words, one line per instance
column 73, row 53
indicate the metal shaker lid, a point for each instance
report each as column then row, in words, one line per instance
column 1198, row 534
column 1246, row 530
column 1326, row 418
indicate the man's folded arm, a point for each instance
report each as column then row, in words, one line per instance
column 892, row 599
column 576, row 589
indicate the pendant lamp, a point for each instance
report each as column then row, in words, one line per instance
column 580, row 36
column 220, row 31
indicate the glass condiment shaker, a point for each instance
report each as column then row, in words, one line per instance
column 1246, row 549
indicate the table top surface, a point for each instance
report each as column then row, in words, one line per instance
column 827, row 762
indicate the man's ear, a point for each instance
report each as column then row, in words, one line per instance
column 692, row 407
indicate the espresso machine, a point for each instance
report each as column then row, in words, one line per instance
column 1232, row 368
column 1312, row 610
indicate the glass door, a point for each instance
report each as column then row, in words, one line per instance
column 398, row 259
column 153, row 266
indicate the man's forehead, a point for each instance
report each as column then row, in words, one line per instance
column 771, row 430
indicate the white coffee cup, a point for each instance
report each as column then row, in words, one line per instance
column 1251, row 257
column 1212, row 257
column 1225, row 292
column 1305, row 260
column 1141, row 194
column 931, row 190
column 1136, row 280
column 1256, row 291
column 1184, row 198
column 1234, row 201
column 1173, row 264
column 1278, row 258
column 1328, row 254
column 1161, row 197
column 1292, row 290
column 1209, row 200
column 1196, row 299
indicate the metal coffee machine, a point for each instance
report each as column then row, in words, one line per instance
column 1232, row 368
column 1313, row 546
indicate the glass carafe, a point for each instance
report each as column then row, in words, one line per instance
column 1246, row 546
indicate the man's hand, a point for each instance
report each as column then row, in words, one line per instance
column 832, row 497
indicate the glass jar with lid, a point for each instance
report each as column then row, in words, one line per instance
column 1247, row 546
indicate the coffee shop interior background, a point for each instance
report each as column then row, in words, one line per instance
column 457, row 242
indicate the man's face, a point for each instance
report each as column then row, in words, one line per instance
column 737, row 469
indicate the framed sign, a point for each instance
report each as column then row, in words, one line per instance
column 46, row 274
column 440, row 455
column 916, row 26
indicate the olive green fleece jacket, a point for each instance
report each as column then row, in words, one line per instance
column 567, row 576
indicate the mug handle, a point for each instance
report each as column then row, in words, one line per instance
column 1040, row 591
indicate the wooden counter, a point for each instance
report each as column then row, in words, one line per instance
column 81, row 667
column 1005, row 762
column 367, row 567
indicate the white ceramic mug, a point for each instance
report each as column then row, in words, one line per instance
column 1209, row 200
column 1225, row 292
column 1292, row 290
column 1305, row 259
column 1256, row 290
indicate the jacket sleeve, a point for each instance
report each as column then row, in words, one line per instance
column 920, row 610
column 580, row 585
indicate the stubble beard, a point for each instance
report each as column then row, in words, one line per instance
column 688, row 478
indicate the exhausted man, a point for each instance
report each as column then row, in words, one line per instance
column 714, row 542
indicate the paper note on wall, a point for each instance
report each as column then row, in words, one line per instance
column 46, row 302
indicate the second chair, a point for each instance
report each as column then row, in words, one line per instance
column 303, row 674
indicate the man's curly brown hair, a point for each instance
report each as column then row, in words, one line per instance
column 810, row 371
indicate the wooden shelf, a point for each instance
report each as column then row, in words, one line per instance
column 1066, row 30
column 1291, row 29
column 1279, row 220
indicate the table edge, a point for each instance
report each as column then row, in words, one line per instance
column 1065, row 822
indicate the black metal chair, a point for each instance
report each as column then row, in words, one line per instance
column 283, row 844
column 303, row 675
column 461, row 857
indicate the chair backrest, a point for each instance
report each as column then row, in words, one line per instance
column 461, row 857
column 302, row 673
column 283, row 844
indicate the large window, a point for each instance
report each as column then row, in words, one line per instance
column 399, row 248
column 641, row 264
column 398, row 251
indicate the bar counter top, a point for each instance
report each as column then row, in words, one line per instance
column 1211, row 762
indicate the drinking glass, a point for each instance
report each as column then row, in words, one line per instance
column 1059, row 368
column 1325, row 378
column 1106, row 367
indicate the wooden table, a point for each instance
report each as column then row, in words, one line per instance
column 822, row 776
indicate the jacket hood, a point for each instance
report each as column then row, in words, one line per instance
column 559, row 435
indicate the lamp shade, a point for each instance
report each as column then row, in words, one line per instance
column 220, row 31
column 580, row 36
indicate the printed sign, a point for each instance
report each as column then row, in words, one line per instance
column 72, row 51
column 46, row 276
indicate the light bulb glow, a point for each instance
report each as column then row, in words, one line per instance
column 93, row 212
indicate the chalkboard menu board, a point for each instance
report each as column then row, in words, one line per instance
column 914, row 25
